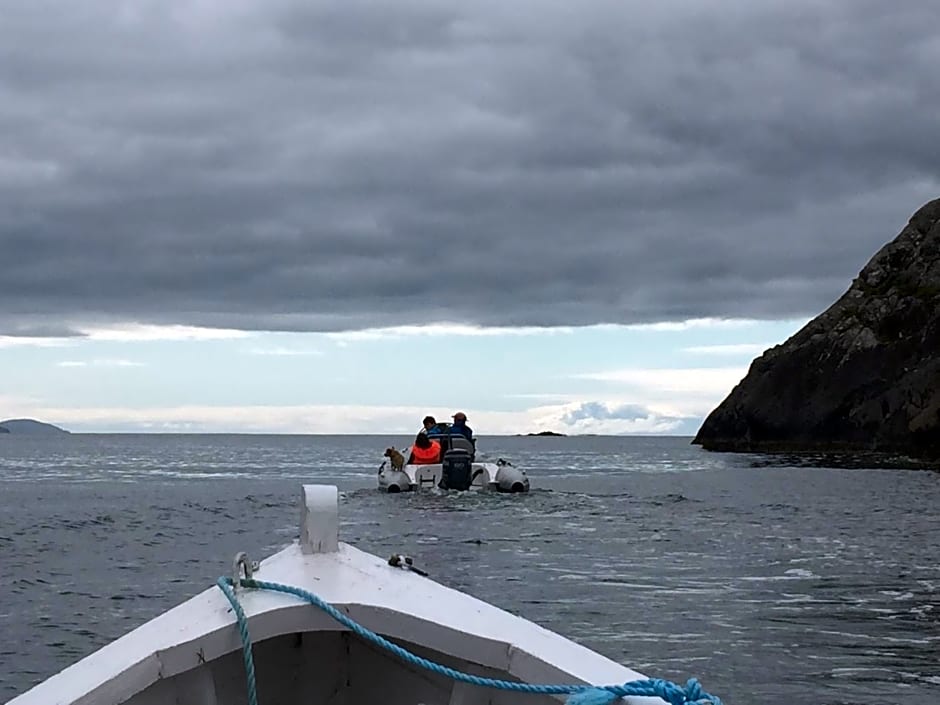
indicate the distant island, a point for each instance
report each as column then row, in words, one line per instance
column 30, row 427
column 542, row 433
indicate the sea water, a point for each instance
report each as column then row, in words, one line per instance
column 774, row 581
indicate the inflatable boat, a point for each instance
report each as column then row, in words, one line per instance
column 458, row 469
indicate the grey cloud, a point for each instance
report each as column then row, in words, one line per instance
column 326, row 166
column 585, row 413
column 596, row 410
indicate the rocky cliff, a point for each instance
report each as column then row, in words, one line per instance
column 862, row 376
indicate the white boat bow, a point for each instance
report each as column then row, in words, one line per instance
column 192, row 654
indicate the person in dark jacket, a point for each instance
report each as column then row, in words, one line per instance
column 460, row 426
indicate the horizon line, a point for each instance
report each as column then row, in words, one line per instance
column 389, row 433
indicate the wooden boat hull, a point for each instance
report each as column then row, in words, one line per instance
column 191, row 655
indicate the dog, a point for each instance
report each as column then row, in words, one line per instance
column 396, row 458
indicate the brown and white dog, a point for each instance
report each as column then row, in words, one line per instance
column 396, row 458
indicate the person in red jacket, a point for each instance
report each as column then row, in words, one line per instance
column 424, row 451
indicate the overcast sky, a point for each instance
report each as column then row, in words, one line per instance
column 185, row 183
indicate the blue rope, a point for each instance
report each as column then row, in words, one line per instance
column 226, row 585
column 691, row 694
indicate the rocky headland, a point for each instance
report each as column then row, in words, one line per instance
column 29, row 427
column 862, row 376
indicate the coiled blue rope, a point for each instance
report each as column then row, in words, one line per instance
column 691, row 694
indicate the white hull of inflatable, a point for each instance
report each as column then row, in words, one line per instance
column 192, row 654
column 494, row 477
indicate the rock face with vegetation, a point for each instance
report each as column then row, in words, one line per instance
column 862, row 376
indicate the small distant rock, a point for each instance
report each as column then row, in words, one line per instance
column 545, row 433
column 30, row 427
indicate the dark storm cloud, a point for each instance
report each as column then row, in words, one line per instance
column 310, row 165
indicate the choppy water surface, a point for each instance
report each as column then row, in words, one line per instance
column 772, row 582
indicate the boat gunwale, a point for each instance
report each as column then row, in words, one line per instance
column 396, row 603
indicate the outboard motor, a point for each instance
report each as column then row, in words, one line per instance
column 456, row 470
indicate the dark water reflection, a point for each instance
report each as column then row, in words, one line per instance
column 772, row 583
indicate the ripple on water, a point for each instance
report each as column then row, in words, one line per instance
column 771, row 584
